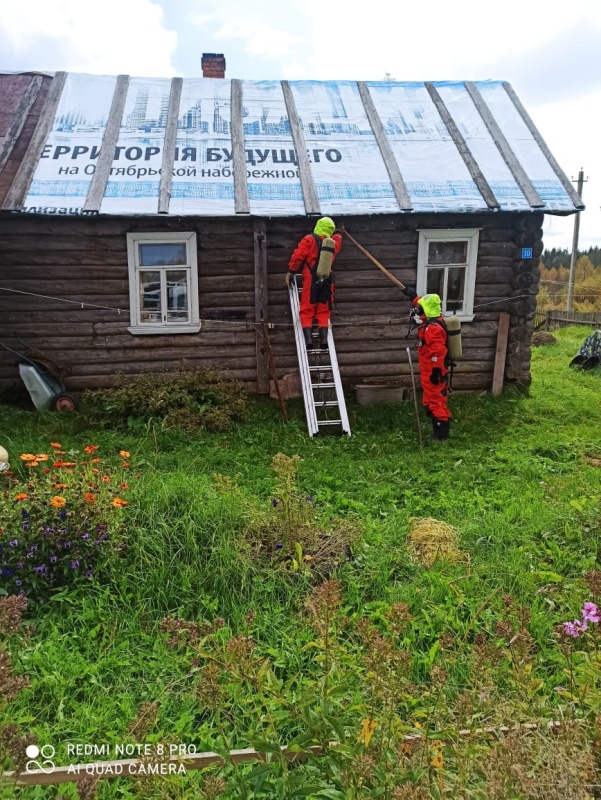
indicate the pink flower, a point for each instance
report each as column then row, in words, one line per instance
column 575, row 628
column 590, row 613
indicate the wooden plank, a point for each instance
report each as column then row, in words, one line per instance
column 261, row 303
column 241, row 201
column 169, row 145
column 20, row 186
column 504, row 148
column 308, row 187
column 464, row 151
column 107, row 148
column 563, row 178
column 25, row 106
column 394, row 172
column 500, row 354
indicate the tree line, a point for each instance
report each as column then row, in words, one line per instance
column 554, row 268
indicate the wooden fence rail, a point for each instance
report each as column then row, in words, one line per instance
column 552, row 320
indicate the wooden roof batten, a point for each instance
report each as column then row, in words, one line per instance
column 20, row 186
column 241, row 201
column 25, row 106
column 168, row 159
column 394, row 173
column 110, row 138
column 504, row 148
column 563, row 178
column 307, row 182
column 470, row 162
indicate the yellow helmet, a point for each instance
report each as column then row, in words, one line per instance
column 324, row 227
column 432, row 305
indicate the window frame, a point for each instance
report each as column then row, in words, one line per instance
column 469, row 235
column 135, row 268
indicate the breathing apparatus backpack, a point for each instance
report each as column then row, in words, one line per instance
column 321, row 271
column 453, row 326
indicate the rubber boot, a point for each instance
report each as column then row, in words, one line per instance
column 440, row 429
column 323, row 338
column 307, row 332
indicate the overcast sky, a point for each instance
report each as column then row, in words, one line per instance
column 548, row 50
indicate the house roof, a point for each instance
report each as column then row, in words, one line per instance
column 122, row 145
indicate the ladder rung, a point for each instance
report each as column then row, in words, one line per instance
column 329, row 422
column 323, row 385
column 325, row 403
column 325, row 368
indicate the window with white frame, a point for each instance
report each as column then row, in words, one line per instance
column 446, row 266
column 163, row 283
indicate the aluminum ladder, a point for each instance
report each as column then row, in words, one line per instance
column 320, row 376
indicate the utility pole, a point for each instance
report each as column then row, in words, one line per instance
column 574, row 258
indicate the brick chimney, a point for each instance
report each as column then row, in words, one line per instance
column 213, row 65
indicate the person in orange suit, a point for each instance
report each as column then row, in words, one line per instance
column 317, row 295
column 433, row 358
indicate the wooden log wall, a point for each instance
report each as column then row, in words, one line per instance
column 84, row 259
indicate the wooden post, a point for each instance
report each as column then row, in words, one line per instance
column 500, row 354
column 273, row 370
column 261, row 303
column 20, row 118
column 169, row 145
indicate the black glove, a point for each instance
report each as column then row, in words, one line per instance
column 409, row 292
column 436, row 376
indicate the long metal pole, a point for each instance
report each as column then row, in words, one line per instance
column 419, row 429
column 574, row 258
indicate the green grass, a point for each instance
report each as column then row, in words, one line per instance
column 513, row 479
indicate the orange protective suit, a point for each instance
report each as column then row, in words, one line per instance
column 432, row 353
column 316, row 301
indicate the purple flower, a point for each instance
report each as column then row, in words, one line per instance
column 53, row 559
column 8, row 572
column 96, row 541
column 575, row 628
column 64, row 530
column 105, row 537
column 274, row 502
column 13, row 543
column 25, row 526
column 88, row 573
column 75, row 564
column 309, row 499
column 48, row 529
column 18, row 582
column 24, row 514
column 85, row 536
column 63, row 514
column 21, row 564
column 590, row 613
column 278, row 546
column 41, row 569
column 67, row 545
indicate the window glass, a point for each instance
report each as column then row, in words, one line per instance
column 435, row 282
column 177, row 295
column 455, row 288
column 453, row 252
column 161, row 255
column 150, row 295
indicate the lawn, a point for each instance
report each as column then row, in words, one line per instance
column 518, row 481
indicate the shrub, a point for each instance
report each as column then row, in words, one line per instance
column 61, row 520
column 184, row 400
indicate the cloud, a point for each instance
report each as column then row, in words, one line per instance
column 105, row 38
column 237, row 22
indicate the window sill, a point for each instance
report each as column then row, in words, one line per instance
column 461, row 317
column 146, row 330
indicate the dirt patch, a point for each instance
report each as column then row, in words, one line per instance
column 592, row 461
column 541, row 338
column 431, row 540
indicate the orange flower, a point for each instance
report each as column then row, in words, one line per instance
column 85, row 463
column 20, row 496
column 56, row 445
column 106, row 479
column 91, row 448
column 60, row 485
column 69, row 464
column 58, row 464
column 95, row 460
column 57, row 501
column 31, row 464
column 96, row 471
column 123, row 453
column 89, row 497
column 118, row 503
column 124, row 486
column 60, row 452
column 41, row 457
column 46, row 470
column 27, row 457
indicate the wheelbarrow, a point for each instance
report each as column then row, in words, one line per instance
column 43, row 382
